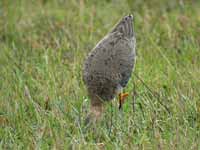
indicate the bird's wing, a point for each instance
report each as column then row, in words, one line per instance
column 100, row 60
column 125, row 59
column 112, row 59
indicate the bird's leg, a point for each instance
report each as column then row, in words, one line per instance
column 122, row 97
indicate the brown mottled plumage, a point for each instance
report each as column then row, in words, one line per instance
column 109, row 65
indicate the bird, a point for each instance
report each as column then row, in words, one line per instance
column 108, row 67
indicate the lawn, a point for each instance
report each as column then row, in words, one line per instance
column 44, row 102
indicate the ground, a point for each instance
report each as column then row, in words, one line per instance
column 43, row 101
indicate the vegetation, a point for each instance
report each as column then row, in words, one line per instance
column 43, row 101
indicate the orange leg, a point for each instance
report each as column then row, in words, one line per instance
column 122, row 97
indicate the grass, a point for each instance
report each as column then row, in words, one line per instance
column 43, row 101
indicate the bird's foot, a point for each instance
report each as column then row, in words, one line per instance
column 122, row 97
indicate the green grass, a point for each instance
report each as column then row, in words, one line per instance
column 43, row 101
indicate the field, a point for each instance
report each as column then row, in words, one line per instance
column 44, row 102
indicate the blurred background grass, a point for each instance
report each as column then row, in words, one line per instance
column 43, row 101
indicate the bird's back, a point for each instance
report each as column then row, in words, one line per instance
column 109, row 65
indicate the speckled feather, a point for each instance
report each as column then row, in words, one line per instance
column 109, row 65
